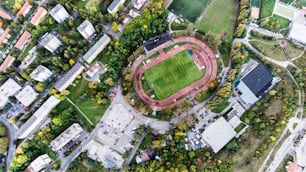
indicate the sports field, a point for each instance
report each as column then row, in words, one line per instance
column 173, row 74
column 189, row 9
column 220, row 15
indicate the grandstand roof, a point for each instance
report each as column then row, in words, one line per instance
column 156, row 41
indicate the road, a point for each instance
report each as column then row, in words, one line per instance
column 286, row 146
column 12, row 136
column 131, row 155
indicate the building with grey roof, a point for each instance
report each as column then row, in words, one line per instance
column 71, row 133
column 59, row 13
column 114, row 6
column 9, row 88
column 39, row 163
column 86, row 29
column 41, row 74
column 218, row 134
column 50, row 42
column 254, row 84
column 69, row 77
column 37, row 118
column 96, row 49
column 26, row 96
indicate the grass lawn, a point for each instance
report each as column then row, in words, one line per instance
column 219, row 16
column 267, row 7
column 173, row 74
column 293, row 50
column 299, row 3
column 269, row 48
column 190, row 9
column 256, row 3
column 283, row 22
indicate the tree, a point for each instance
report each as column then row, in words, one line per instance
column 109, row 81
column 115, row 27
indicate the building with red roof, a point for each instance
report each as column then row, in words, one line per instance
column 4, row 14
column 24, row 10
column 6, row 63
column 4, row 35
column 40, row 13
column 23, row 40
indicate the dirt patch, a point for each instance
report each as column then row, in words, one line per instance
column 274, row 108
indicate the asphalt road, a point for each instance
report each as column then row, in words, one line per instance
column 12, row 137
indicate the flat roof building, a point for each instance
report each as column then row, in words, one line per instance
column 41, row 74
column 96, row 49
column 70, row 134
column 218, row 134
column 5, row 14
column 50, row 42
column 37, row 118
column 254, row 84
column 4, row 35
column 69, row 77
column 298, row 33
column 59, row 13
column 138, row 4
column 133, row 13
column 25, row 9
column 26, row 96
column 9, row 88
column 39, row 163
column 86, row 29
column 24, row 38
column 6, row 63
column 95, row 71
column 114, row 6
column 40, row 13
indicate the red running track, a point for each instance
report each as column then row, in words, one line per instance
column 206, row 57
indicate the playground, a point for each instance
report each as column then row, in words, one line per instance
column 183, row 71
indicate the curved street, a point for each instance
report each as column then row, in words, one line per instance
column 12, row 136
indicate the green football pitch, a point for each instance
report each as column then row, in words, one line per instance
column 172, row 75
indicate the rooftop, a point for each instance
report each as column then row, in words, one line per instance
column 39, row 163
column 138, row 4
column 218, row 134
column 257, row 79
column 23, row 39
column 41, row 74
column 50, row 42
column 298, row 32
column 4, row 35
column 9, row 88
column 69, row 77
column 114, row 5
column 24, row 9
column 65, row 137
column 86, row 29
column 95, row 50
column 4, row 14
column 6, row 63
column 40, row 13
column 27, row 95
column 59, row 13
column 36, row 119
column 156, row 41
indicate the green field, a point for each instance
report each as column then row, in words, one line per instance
column 256, row 3
column 267, row 7
column 219, row 16
column 173, row 74
column 189, row 9
column 299, row 3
